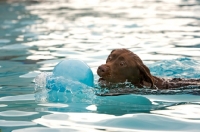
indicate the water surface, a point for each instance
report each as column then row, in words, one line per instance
column 36, row 35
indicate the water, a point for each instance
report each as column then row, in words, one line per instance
column 36, row 35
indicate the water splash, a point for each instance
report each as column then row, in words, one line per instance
column 49, row 88
column 40, row 87
column 177, row 68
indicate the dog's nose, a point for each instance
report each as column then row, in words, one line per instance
column 102, row 70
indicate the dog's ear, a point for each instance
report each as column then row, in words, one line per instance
column 145, row 74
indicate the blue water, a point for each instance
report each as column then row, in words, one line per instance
column 35, row 36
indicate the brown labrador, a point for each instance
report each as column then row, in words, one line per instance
column 122, row 65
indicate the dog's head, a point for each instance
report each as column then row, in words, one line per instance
column 123, row 65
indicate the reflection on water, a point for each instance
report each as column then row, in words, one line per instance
column 36, row 35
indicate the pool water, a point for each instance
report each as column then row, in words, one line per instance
column 36, row 35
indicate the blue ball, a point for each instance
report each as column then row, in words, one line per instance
column 74, row 70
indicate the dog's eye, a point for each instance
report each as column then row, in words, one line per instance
column 109, row 58
column 122, row 63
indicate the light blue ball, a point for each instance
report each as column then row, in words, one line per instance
column 74, row 70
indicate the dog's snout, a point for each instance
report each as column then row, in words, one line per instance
column 103, row 69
